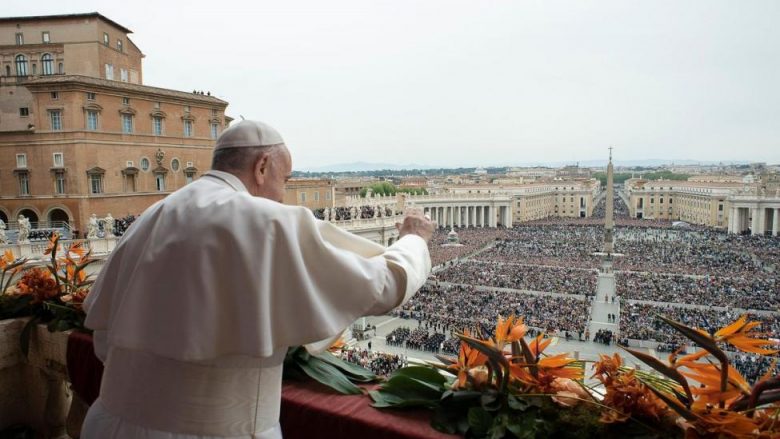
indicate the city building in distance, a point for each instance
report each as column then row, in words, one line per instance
column 81, row 134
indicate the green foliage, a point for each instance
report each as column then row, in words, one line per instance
column 385, row 189
column 492, row 414
column 621, row 177
column 326, row 369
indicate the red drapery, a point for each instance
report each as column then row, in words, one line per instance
column 308, row 409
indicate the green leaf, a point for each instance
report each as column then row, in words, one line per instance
column 490, row 401
column 354, row 371
column 422, row 373
column 523, row 426
column 662, row 368
column 460, row 396
column 480, row 420
column 412, row 388
column 329, row 376
column 383, row 399
column 516, row 403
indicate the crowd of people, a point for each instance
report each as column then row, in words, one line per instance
column 380, row 363
column 604, row 336
column 753, row 367
column 471, row 239
column 449, row 309
column 41, row 234
column 638, row 321
column 619, row 208
column 420, row 338
column 749, row 292
column 348, row 213
column 122, row 224
column 521, row 277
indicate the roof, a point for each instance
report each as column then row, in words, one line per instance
column 65, row 17
column 118, row 85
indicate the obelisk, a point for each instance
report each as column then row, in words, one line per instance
column 609, row 222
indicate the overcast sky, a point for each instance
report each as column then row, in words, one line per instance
column 450, row 82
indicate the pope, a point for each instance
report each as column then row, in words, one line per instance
column 194, row 310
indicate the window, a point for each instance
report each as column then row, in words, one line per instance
column 327, row 196
column 47, row 64
column 96, row 183
column 127, row 123
column 54, row 95
column 187, row 128
column 45, row 37
column 189, row 178
column 125, row 101
column 123, row 75
column 59, row 160
column 317, row 196
column 119, row 45
column 144, row 164
column 175, row 165
column 109, row 71
column 21, row 161
column 24, row 183
column 303, row 197
column 21, row 65
column 160, row 180
column 55, row 116
column 19, row 39
column 24, row 112
column 59, row 183
column 214, row 130
column 90, row 96
column 92, row 120
column 157, row 125
column 105, row 39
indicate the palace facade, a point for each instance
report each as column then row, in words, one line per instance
column 81, row 134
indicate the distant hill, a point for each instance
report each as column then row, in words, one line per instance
column 364, row 166
column 649, row 163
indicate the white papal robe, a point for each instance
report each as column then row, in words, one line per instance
column 195, row 308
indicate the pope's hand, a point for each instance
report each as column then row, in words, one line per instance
column 416, row 223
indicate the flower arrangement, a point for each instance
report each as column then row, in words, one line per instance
column 505, row 386
column 52, row 294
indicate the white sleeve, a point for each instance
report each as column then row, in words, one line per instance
column 408, row 266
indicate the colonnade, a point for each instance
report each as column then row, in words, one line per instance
column 758, row 220
column 470, row 215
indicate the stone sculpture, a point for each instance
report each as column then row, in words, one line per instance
column 3, row 238
column 24, row 230
column 108, row 226
column 92, row 227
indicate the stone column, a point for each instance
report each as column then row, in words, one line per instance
column 775, row 222
column 755, row 221
column 733, row 220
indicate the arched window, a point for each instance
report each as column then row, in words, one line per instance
column 47, row 64
column 21, row 65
